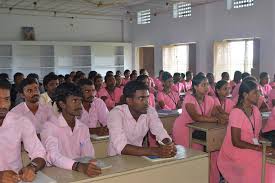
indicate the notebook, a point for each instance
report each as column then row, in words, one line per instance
column 42, row 178
column 265, row 114
column 100, row 163
column 96, row 137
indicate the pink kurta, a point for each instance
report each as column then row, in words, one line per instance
column 242, row 165
column 178, row 87
column 64, row 145
column 124, row 129
column 14, row 130
column 112, row 98
column 271, row 97
column 158, row 84
column 265, row 90
column 227, row 106
column 187, row 85
column 170, row 100
column 270, row 125
column 235, row 91
column 125, row 81
column 152, row 102
column 97, row 113
column 43, row 114
column 211, row 91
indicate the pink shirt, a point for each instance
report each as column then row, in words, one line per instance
column 235, row 91
column 14, row 130
column 178, row 87
column 270, row 125
column 265, row 90
column 112, row 98
column 227, row 106
column 158, row 84
column 170, row 100
column 43, row 114
column 187, row 85
column 152, row 102
column 97, row 113
column 271, row 97
column 211, row 91
column 124, row 129
column 64, row 145
column 125, row 81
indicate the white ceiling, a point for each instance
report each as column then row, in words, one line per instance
column 89, row 7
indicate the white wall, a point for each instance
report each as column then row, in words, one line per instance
column 59, row 29
column 209, row 23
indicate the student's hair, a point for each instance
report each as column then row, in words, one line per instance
column 201, row 74
column 83, row 82
column 141, row 78
column 244, row 75
column 209, row 74
column 126, row 71
column 182, row 75
column 92, row 74
column 263, row 75
column 133, row 74
column 109, row 73
column 25, row 82
column 5, row 84
column 237, row 76
column 117, row 76
column 65, row 90
column 134, row 71
column 224, row 74
column 250, row 78
column 60, row 76
column 132, row 86
column 4, row 76
column 196, row 81
column 188, row 73
column 245, row 87
column 219, row 85
column 142, row 71
column 48, row 78
column 78, row 75
column 166, row 76
column 160, row 72
column 176, row 74
column 73, row 72
column 98, row 76
column 33, row 75
column 67, row 76
column 18, row 74
column 107, row 77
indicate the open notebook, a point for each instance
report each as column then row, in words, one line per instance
column 100, row 163
column 42, row 178
column 96, row 137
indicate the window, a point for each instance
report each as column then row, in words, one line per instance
column 182, row 9
column 230, row 56
column 144, row 17
column 243, row 3
column 176, row 58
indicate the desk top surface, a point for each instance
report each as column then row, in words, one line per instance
column 169, row 113
column 206, row 126
column 120, row 165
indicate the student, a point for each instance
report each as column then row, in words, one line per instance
column 225, row 76
column 92, row 75
column 98, row 81
column 271, row 96
column 61, row 79
column 269, row 128
column 17, row 78
column 37, row 113
column 66, row 138
column 118, row 72
column 236, row 80
column 119, row 82
column 158, row 81
column 188, row 82
column 35, row 76
column 15, row 129
column 94, row 110
column 211, row 81
column 129, row 123
column 265, row 88
column 133, row 76
column 167, row 98
column 68, row 79
column 145, row 80
column 50, row 83
column 126, row 78
column 151, row 81
column 110, row 94
column 78, row 76
column 198, row 107
column 178, row 86
column 235, row 91
column 182, row 77
column 240, row 158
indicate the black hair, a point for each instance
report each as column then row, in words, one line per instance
column 176, row 74
column 245, row 87
column 224, row 74
column 141, row 71
column 67, row 76
column 107, row 77
column 33, row 75
column 61, row 76
column 209, row 74
column 237, row 76
column 250, row 78
column 133, row 74
column 78, row 75
column 25, row 82
column 142, row 77
column 188, row 73
column 244, row 75
column 201, row 74
column 92, row 74
column 83, row 82
column 263, row 75
column 4, row 76
column 219, row 85
column 160, row 72
column 126, row 71
column 196, row 81
column 5, row 84
column 65, row 90
column 97, row 77
column 109, row 73
column 134, row 71
column 132, row 86
column 182, row 75
column 166, row 76
column 18, row 74
column 48, row 78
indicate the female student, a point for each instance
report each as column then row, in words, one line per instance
column 271, row 96
column 198, row 107
column 211, row 81
column 98, row 81
column 240, row 157
column 269, row 128
column 236, row 80
column 167, row 98
column 265, row 88
column 145, row 80
column 188, row 82
column 178, row 86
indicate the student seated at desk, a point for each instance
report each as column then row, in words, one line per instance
column 178, row 86
column 265, row 88
column 98, row 81
column 198, row 107
column 188, row 82
column 14, row 129
column 240, row 158
column 271, row 96
column 167, row 98
column 129, row 123
column 126, row 78
column 37, row 113
column 236, row 80
column 145, row 80
column 269, row 128
column 94, row 110
column 66, row 138
column 211, row 88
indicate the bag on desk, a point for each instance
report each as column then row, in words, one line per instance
column 200, row 135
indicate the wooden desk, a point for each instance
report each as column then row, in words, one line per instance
column 101, row 147
column 133, row 169
column 168, row 121
column 215, row 134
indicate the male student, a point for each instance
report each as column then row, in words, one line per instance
column 129, row 123
column 15, row 129
column 94, row 110
column 65, row 137
column 17, row 78
column 50, row 83
column 37, row 113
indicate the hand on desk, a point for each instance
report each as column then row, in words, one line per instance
column 9, row 176
column 102, row 131
column 27, row 174
column 89, row 169
column 166, row 151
